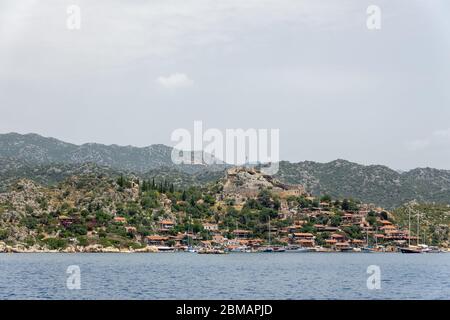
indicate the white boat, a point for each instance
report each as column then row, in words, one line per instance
column 300, row 250
column 427, row 249
column 191, row 250
column 166, row 249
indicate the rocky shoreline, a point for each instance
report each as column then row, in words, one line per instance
column 74, row 249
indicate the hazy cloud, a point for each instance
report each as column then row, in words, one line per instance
column 176, row 80
column 445, row 133
column 437, row 139
column 310, row 68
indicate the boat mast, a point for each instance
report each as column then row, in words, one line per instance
column 376, row 238
column 189, row 228
column 367, row 236
column 409, row 226
column 418, row 227
column 269, row 230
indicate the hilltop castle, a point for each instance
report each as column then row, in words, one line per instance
column 249, row 181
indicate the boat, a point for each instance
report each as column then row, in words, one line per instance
column 321, row 249
column 300, row 250
column 368, row 248
column 191, row 249
column 239, row 249
column 269, row 248
column 279, row 249
column 430, row 249
column 166, row 249
column 411, row 249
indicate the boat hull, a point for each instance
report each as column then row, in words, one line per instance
column 410, row 250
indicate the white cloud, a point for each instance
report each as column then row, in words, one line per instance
column 445, row 133
column 176, row 80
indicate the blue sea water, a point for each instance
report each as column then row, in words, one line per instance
column 231, row 276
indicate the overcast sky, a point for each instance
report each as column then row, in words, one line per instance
column 137, row 70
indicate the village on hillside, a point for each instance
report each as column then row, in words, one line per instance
column 246, row 211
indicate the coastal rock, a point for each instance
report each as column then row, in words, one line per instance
column 110, row 250
column 93, row 248
column 152, row 249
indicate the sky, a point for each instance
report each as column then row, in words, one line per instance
column 137, row 70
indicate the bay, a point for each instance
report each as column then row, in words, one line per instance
column 231, row 276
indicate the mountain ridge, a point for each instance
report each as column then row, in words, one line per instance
column 168, row 148
column 31, row 153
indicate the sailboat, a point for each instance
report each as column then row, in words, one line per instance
column 410, row 248
column 367, row 248
column 269, row 248
column 190, row 248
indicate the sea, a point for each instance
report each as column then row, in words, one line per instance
column 289, row 276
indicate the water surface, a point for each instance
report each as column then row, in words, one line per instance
column 232, row 276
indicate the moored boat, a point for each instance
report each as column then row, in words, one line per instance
column 238, row 249
column 166, row 249
column 191, row 249
column 410, row 249
column 346, row 249
column 300, row 249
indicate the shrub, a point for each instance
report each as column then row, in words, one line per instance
column 56, row 243
column 4, row 234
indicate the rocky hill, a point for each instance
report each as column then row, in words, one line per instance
column 430, row 221
column 93, row 212
column 35, row 149
column 376, row 184
column 12, row 169
column 249, row 182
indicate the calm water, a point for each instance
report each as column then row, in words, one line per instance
column 232, row 276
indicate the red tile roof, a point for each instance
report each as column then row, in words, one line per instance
column 157, row 238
